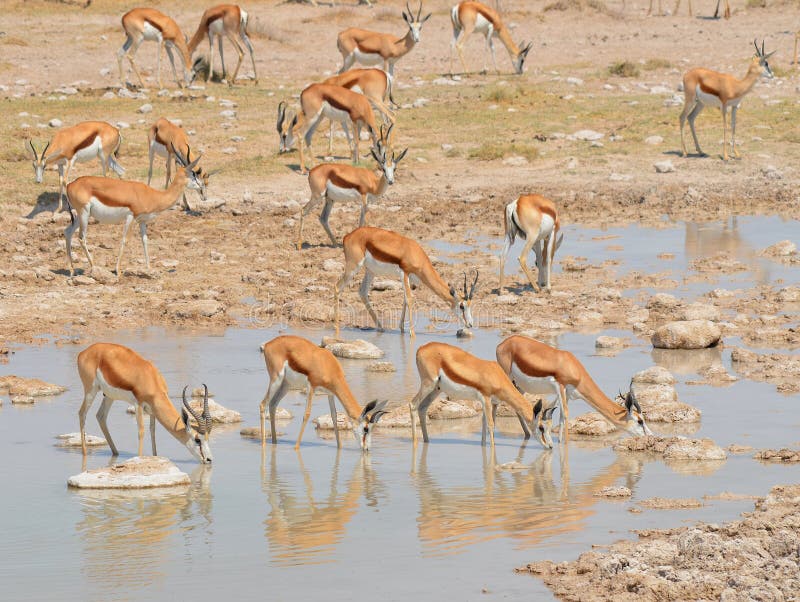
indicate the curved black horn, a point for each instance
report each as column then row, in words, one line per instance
column 755, row 43
column 408, row 10
column 197, row 419
column 206, row 413
column 474, row 284
column 419, row 12
column 465, row 285
column 44, row 150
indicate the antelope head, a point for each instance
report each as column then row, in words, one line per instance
column 634, row 420
column 414, row 23
column 519, row 60
column 462, row 302
column 366, row 422
column 197, row 443
column 196, row 179
column 39, row 160
column 287, row 122
column 760, row 59
column 542, row 423
column 380, row 152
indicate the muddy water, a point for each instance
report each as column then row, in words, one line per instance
column 339, row 523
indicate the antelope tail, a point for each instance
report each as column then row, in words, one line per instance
column 512, row 228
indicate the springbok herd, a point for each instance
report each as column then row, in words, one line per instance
column 522, row 365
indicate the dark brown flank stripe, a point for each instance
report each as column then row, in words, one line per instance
column 548, row 211
column 706, row 89
column 105, row 199
column 455, row 377
column 154, row 24
column 381, row 255
column 332, row 100
column 86, row 142
column 342, row 182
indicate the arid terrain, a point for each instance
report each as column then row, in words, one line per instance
column 606, row 72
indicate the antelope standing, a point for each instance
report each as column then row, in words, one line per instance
column 162, row 137
column 536, row 368
column 335, row 103
column 373, row 48
column 123, row 375
column 447, row 369
column 375, row 84
column 297, row 363
column 123, row 202
column 79, row 143
column 224, row 20
column 533, row 218
column 386, row 253
column 150, row 25
column 338, row 182
column 468, row 17
column 703, row 87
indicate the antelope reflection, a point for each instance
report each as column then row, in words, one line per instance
column 526, row 506
column 304, row 528
column 707, row 239
column 129, row 533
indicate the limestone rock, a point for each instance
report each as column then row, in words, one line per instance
column 74, row 440
column 386, row 285
column 136, row 473
column 664, row 166
column 325, row 422
column 31, row 387
column 219, row 414
column 355, row 349
column 607, row 342
column 688, row 334
column 22, row 400
column 381, row 367
column 443, row 409
column 199, row 308
column 254, row 432
column 780, row 249
column 780, row 455
column 655, row 375
column 591, row 424
column 698, row 311
column 660, row 503
column 674, row 448
column 613, row 492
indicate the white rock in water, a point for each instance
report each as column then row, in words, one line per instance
column 443, row 409
column 613, row 491
column 31, row 387
column 687, row 334
column 655, row 375
column 254, row 432
column 381, row 367
column 698, row 311
column 355, row 349
column 513, row 465
column 219, row 414
column 591, row 424
column 607, row 342
column 325, row 422
column 136, row 473
column 588, row 135
column 780, row 249
column 674, row 448
column 22, row 399
column 665, row 166
column 74, row 440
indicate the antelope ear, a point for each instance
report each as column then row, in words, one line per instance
column 426, row 18
column 193, row 163
column 548, row 413
column 368, row 408
column 537, row 408
column 406, row 18
column 400, row 158
column 294, row 121
column 770, row 54
column 452, row 291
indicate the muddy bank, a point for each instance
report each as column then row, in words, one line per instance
column 754, row 558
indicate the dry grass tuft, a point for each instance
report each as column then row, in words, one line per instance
column 491, row 151
column 654, row 64
column 499, row 94
column 580, row 5
column 624, row 69
column 258, row 28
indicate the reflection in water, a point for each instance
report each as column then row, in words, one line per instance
column 707, row 239
column 128, row 534
column 302, row 528
column 525, row 506
column 687, row 361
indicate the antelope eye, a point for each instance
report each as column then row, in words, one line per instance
column 197, row 440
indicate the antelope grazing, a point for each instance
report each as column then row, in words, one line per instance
column 224, row 20
column 533, row 218
column 372, row 48
column 335, row 103
column 150, row 25
column 386, row 253
column 705, row 87
column 162, row 137
column 297, row 363
column 539, row 369
column 375, row 84
column 122, row 201
column 287, row 127
column 338, row 182
column 123, row 375
column 444, row 369
column 468, row 17
column 79, row 143
column 727, row 13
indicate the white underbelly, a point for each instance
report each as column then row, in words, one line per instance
column 335, row 114
column 216, row 27
column 107, row 215
column 456, row 390
column 159, row 149
column 337, row 193
column 294, row 380
column 381, row 268
column 113, row 392
column 88, row 153
column 534, row 385
column 482, row 25
column 150, row 33
column 368, row 58
column 710, row 100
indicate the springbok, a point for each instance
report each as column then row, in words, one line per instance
column 123, row 202
column 533, row 218
column 703, row 87
column 79, row 143
column 230, row 21
column 124, row 375
column 468, row 17
column 373, row 48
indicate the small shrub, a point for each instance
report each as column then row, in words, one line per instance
column 653, row 64
column 498, row 94
column 756, row 4
column 624, row 69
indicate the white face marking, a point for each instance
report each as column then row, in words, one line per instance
column 107, row 215
column 150, row 33
column 113, row 392
column 456, row 390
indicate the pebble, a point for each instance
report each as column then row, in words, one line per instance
column 145, row 108
column 55, row 123
column 665, row 166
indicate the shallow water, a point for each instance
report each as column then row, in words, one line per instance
column 337, row 523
